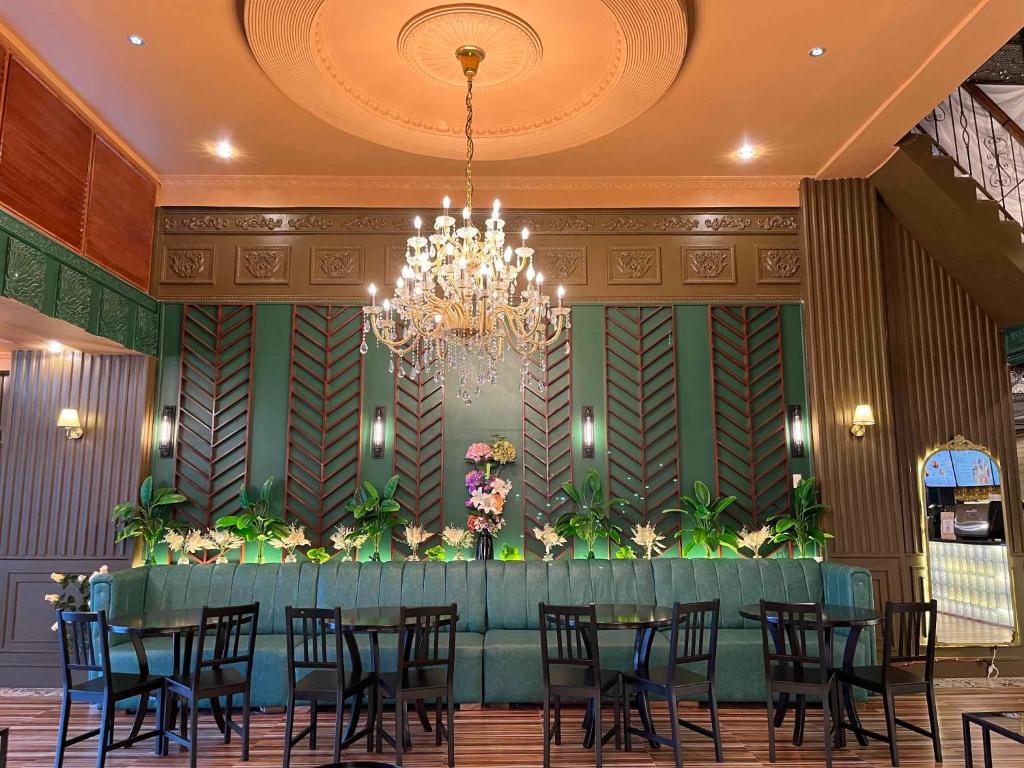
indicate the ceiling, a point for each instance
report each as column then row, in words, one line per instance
column 22, row 327
column 581, row 102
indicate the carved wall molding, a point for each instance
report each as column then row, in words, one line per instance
column 193, row 264
column 255, row 264
column 565, row 264
column 778, row 265
column 342, row 265
column 634, row 264
column 708, row 264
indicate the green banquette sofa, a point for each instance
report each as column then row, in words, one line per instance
column 497, row 644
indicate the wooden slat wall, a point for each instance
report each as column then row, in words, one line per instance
column 56, row 494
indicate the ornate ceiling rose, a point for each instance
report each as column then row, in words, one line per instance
column 554, row 78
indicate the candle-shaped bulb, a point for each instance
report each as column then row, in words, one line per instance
column 417, row 222
column 447, row 203
column 530, row 273
column 400, row 283
column 387, row 305
column 526, row 234
column 465, row 213
column 437, row 319
column 561, row 292
column 508, row 253
column 372, row 289
column 497, row 206
column 462, row 262
column 540, row 278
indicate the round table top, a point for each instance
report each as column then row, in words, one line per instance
column 631, row 615
column 379, row 619
column 166, row 621
column 831, row 615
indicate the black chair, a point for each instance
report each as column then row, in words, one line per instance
column 794, row 665
column 572, row 669
column 693, row 641
column 316, row 673
column 215, row 674
column 908, row 638
column 425, row 670
column 82, row 639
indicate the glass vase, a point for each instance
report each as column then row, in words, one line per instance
column 484, row 546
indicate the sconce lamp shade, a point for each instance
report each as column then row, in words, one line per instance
column 69, row 419
column 863, row 416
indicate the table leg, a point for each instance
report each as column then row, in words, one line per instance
column 849, row 657
column 143, row 660
column 968, row 752
column 642, row 646
column 421, row 707
column 378, row 699
column 782, row 705
column 357, row 699
column 986, row 745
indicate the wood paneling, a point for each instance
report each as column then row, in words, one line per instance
column 56, row 494
column 119, row 219
column 44, row 158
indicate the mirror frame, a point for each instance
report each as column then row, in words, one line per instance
column 961, row 443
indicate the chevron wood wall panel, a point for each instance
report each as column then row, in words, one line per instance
column 419, row 455
column 324, row 406
column 641, row 406
column 547, row 443
column 214, row 408
column 751, row 458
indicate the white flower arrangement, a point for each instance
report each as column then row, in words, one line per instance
column 754, row 540
column 550, row 538
column 223, row 541
column 647, row 538
column 415, row 535
column 458, row 539
column 345, row 538
column 292, row 540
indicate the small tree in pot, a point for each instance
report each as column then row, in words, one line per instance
column 801, row 525
column 708, row 530
column 144, row 520
column 377, row 511
column 590, row 520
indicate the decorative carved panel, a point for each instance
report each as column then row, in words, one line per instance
column 324, row 399
column 708, row 264
column 419, row 453
column 547, row 442
column 634, row 264
column 336, row 265
column 115, row 316
column 778, row 265
column 190, row 264
column 74, row 297
column 394, row 260
column 565, row 265
column 25, row 277
column 261, row 264
column 147, row 331
column 212, row 446
column 642, row 412
column 751, row 458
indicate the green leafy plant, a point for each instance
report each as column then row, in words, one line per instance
column 255, row 523
column 436, row 553
column 590, row 519
column 508, row 552
column 145, row 519
column 708, row 530
column 625, row 553
column 318, row 555
column 376, row 511
column 801, row 524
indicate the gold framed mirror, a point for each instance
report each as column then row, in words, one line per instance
column 969, row 575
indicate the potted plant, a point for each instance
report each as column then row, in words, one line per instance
column 254, row 523
column 801, row 525
column 436, row 553
column 646, row 537
column 590, row 520
column 509, row 552
column 377, row 511
column 708, row 530
column 550, row 538
column 753, row 542
column 415, row 536
column 144, row 520
column 294, row 538
column 487, row 491
column 458, row 539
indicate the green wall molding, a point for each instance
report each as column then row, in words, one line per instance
column 1014, row 345
column 41, row 273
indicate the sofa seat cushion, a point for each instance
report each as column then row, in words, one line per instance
column 512, row 659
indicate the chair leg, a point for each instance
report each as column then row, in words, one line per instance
column 451, row 730
column 289, row 729
column 673, row 717
column 339, row 722
column 227, row 719
column 400, row 715
column 106, row 715
column 627, row 737
column 933, row 718
column 799, row 719
column 826, row 716
column 62, row 731
column 617, row 707
column 771, row 727
column 889, row 705
column 558, row 721
column 547, row 730
column 598, row 741
column 314, row 712
column 716, row 728
column 161, row 697
column 193, row 721
column 437, row 722
column 246, row 712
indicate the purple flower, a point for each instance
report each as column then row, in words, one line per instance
column 474, row 479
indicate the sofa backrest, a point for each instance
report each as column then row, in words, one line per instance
column 360, row 585
column 515, row 588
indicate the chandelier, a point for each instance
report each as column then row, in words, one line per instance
column 459, row 303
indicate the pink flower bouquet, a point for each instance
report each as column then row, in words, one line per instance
column 487, row 491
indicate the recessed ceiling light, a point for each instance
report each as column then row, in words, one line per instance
column 224, row 149
column 817, row 52
column 746, row 152
column 55, row 347
column 136, row 40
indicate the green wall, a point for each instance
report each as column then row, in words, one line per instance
column 498, row 409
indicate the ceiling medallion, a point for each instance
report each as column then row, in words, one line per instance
column 567, row 73
column 455, row 311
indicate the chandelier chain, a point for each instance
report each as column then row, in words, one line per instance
column 469, row 143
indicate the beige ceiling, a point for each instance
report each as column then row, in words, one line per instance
column 745, row 75
column 21, row 327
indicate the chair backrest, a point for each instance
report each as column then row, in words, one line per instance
column 793, row 626
column 575, row 640
column 909, row 634
column 311, row 640
column 426, row 638
column 694, row 637
column 83, row 644
column 232, row 630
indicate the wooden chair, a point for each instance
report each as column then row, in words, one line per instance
column 908, row 638
column 425, row 670
column 572, row 669
column 693, row 640
column 84, row 648
column 316, row 652
column 215, row 674
column 797, row 667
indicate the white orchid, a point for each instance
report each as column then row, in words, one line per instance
column 754, row 540
column 292, row 540
column 223, row 541
column 501, row 486
column 196, row 541
column 648, row 538
column 550, row 538
column 457, row 538
column 415, row 535
column 346, row 538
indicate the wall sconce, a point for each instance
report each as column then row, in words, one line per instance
column 588, row 432
column 378, row 432
column 68, row 419
column 796, row 431
column 167, row 419
column 863, row 417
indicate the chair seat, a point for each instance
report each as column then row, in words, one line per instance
column 427, row 677
column 564, row 676
column 122, row 683
column 684, row 677
column 814, row 675
column 213, row 680
column 871, row 677
column 325, row 681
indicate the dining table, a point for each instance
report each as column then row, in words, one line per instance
column 851, row 619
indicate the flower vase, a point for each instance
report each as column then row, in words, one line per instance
column 291, row 559
column 183, row 560
column 221, row 560
column 413, row 556
column 484, row 546
column 548, row 557
column 458, row 555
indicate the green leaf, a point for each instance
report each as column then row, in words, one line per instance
column 266, row 490
column 689, row 548
column 228, row 521
column 146, row 491
column 390, row 487
column 123, row 511
column 243, row 497
column 169, row 498
column 390, row 506
column 702, row 492
column 571, row 492
column 784, row 524
column 723, row 503
column 371, row 491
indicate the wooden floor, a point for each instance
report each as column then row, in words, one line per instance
column 512, row 738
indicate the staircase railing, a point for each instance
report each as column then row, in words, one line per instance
column 984, row 143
